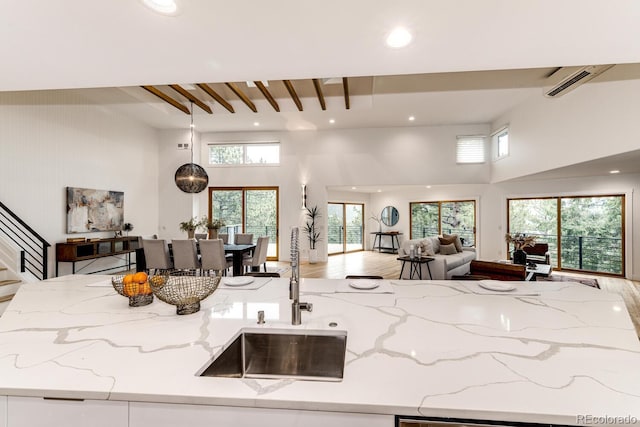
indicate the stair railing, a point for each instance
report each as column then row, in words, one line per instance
column 33, row 248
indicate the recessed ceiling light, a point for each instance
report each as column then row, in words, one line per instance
column 332, row 121
column 614, row 171
column 165, row 7
column 400, row 37
column 256, row 123
column 353, row 188
column 428, row 186
column 411, row 118
column 379, row 191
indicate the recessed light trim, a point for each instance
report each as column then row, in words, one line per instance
column 164, row 7
column 412, row 118
column 615, row 171
column 399, row 37
column 256, row 123
column 332, row 121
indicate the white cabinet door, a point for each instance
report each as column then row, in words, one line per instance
column 36, row 412
column 171, row 415
column 3, row 411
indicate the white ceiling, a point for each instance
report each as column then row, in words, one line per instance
column 105, row 50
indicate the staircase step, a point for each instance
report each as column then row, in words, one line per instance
column 7, row 298
column 8, row 282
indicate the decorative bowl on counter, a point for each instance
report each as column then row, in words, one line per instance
column 183, row 291
column 135, row 287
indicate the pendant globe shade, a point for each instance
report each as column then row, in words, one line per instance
column 191, row 178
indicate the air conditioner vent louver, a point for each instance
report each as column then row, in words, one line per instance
column 574, row 80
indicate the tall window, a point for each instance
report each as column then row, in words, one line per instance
column 500, row 142
column 446, row 217
column 585, row 233
column 248, row 210
column 264, row 153
column 345, row 223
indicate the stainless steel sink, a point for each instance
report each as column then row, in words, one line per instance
column 281, row 353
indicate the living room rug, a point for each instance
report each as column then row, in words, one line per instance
column 563, row 278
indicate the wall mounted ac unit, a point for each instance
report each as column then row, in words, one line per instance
column 574, row 80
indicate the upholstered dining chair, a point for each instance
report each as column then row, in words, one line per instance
column 259, row 256
column 185, row 255
column 212, row 257
column 243, row 239
column 200, row 236
column 224, row 237
column 156, row 255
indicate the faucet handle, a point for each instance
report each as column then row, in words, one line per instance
column 307, row 306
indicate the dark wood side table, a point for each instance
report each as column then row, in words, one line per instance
column 414, row 266
column 394, row 241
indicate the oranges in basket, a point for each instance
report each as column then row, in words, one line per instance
column 136, row 284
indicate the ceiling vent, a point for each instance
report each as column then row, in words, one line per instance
column 574, row 80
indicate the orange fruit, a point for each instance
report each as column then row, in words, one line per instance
column 130, row 289
column 140, row 277
column 144, row 288
column 157, row 281
column 128, row 279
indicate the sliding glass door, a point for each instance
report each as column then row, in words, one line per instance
column 345, row 227
column 248, row 210
column 585, row 233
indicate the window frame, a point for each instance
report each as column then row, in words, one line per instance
column 244, row 145
column 495, row 142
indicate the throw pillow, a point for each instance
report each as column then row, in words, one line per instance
column 448, row 249
column 444, row 240
column 427, row 249
column 435, row 244
column 456, row 240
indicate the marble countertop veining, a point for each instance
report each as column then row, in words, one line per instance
column 435, row 349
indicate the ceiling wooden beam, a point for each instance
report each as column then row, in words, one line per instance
column 267, row 95
column 166, row 98
column 215, row 95
column 182, row 91
column 316, row 84
column 235, row 89
column 293, row 94
column 345, row 85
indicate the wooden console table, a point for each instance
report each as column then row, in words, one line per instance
column 394, row 241
column 91, row 250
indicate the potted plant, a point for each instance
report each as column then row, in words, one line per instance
column 314, row 235
column 520, row 241
column 190, row 227
column 212, row 226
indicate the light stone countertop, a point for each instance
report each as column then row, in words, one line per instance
column 431, row 348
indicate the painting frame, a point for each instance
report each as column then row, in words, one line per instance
column 90, row 210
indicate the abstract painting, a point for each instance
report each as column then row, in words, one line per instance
column 94, row 210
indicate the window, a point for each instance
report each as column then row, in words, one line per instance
column 449, row 217
column 500, row 141
column 470, row 149
column 585, row 233
column 262, row 153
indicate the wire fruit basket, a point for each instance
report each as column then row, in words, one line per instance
column 183, row 291
column 138, row 298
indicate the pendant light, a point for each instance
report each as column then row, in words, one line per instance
column 191, row 178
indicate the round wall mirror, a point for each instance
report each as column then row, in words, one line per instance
column 389, row 216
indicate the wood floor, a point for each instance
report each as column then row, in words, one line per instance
column 387, row 266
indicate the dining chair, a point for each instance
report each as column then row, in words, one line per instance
column 224, row 237
column 185, row 254
column 212, row 257
column 200, row 236
column 156, row 255
column 259, row 256
column 243, row 238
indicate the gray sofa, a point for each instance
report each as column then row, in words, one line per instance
column 443, row 266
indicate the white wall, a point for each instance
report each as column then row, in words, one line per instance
column 594, row 120
column 51, row 140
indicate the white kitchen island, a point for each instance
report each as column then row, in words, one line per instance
column 430, row 349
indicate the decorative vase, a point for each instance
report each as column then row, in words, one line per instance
column 313, row 256
column 519, row 257
column 191, row 234
column 213, row 233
